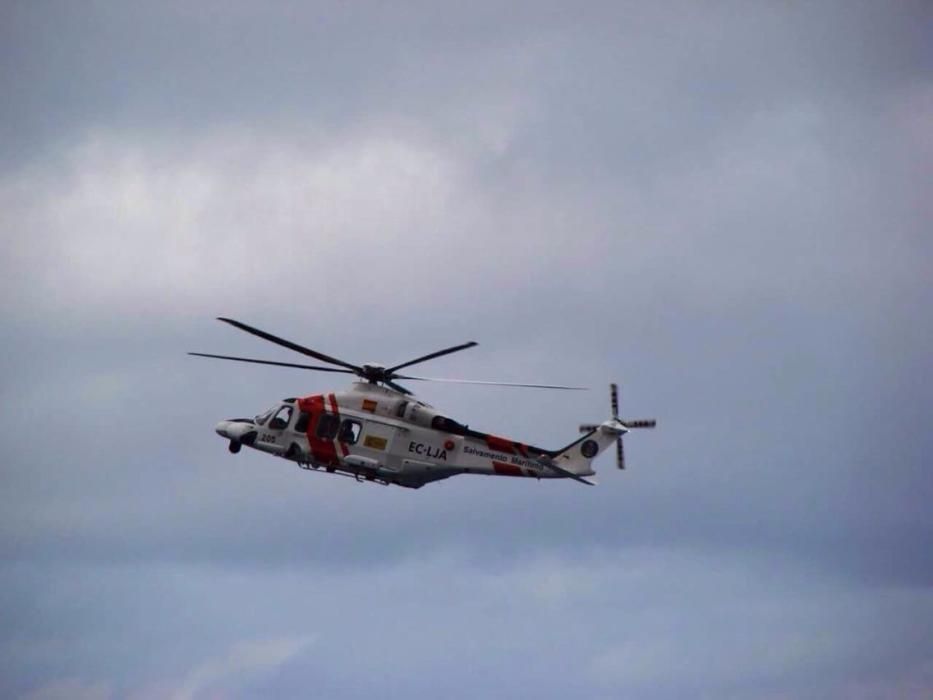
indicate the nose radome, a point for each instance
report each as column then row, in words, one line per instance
column 235, row 429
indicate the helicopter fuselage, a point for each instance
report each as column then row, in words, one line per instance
column 376, row 434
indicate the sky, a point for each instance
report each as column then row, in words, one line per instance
column 723, row 206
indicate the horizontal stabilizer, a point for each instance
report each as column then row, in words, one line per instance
column 549, row 463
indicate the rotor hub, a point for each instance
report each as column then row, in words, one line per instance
column 373, row 371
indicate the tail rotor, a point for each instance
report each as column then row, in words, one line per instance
column 626, row 424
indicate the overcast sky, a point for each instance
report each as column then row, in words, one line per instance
column 724, row 206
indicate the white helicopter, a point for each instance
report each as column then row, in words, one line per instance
column 378, row 431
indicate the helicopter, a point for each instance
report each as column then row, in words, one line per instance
column 378, row 431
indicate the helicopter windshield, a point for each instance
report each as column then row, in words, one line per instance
column 281, row 419
column 263, row 417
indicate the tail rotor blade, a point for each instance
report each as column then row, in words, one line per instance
column 614, row 425
column 640, row 423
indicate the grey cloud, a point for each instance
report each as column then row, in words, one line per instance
column 652, row 636
column 610, row 66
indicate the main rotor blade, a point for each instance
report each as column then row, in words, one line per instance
column 472, row 381
column 446, row 351
column 398, row 387
column 270, row 362
column 290, row 345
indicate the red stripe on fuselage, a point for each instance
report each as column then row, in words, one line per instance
column 500, row 444
column 333, row 408
column 322, row 451
column 506, row 469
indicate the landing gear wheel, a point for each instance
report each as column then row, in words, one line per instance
column 234, row 446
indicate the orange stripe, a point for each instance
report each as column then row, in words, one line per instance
column 500, row 444
column 506, row 469
column 333, row 407
column 322, row 451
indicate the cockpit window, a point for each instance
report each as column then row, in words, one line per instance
column 263, row 417
column 281, row 418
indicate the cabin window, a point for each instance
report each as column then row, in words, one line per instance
column 281, row 418
column 301, row 425
column 327, row 426
column 350, row 431
column 400, row 411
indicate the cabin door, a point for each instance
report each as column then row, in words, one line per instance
column 376, row 443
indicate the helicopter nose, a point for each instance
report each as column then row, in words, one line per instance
column 239, row 430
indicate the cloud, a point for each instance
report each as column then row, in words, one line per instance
column 120, row 228
column 655, row 622
column 241, row 662
column 70, row 689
